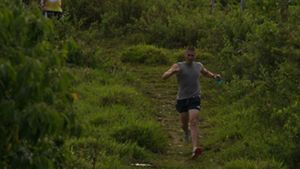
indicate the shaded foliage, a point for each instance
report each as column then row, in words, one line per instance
column 35, row 110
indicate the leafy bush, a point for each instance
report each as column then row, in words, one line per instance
column 145, row 54
column 112, row 17
column 75, row 54
column 35, row 112
column 177, row 30
column 84, row 56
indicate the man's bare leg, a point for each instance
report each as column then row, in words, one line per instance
column 193, row 119
column 184, row 117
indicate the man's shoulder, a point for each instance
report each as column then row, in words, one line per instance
column 177, row 64
column 180, row 63
column 199, row 63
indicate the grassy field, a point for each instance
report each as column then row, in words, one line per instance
column 129, row 118
column 85, row 91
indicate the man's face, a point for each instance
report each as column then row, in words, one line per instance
column 190, row 55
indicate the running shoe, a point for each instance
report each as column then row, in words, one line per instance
column 197, row 152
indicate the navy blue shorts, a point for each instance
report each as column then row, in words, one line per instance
column 185, row 105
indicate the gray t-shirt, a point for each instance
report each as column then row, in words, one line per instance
column 188, row 80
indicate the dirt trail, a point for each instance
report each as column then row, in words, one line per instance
column 163, row 94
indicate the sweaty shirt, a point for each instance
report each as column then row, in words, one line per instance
column 188, row 80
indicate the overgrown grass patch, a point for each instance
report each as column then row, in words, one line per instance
column 145, row 54
column 117, row 114
column 240, row 132
column 108, row 95
column 249, row 164
column 144, row 134
column 89, row 75
column 113, row 115
column 111, row 95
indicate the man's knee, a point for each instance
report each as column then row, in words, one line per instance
column 193, row 122
column 193, row 117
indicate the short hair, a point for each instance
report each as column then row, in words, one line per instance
column 190, row 48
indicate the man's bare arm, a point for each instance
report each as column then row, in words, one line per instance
column 173, row 70
column 209, row 74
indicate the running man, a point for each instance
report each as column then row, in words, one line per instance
column 52, row 8
column 188, row 96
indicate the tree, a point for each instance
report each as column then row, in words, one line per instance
column 35, row 108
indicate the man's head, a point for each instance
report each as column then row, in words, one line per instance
column 190, row 54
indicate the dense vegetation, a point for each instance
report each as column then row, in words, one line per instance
column 68, row 98
column 35, row 105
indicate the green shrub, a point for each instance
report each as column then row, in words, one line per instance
column 145, row 54
column 83, row 55
column 75, row 53
column 144, row 134
column 112, row 17
column 34, row 108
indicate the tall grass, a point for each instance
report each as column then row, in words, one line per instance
column 113, row 116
